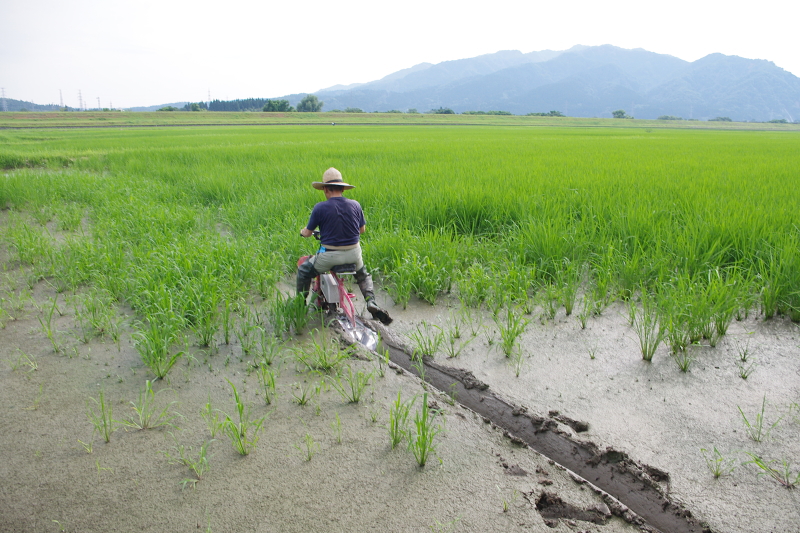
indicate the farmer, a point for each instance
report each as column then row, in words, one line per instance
column 341, row 223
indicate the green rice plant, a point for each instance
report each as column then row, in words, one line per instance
column 444, row 527
column 147, row 416
column 426, row 339
column 69, row 216
column 511, row 327
column 782, row 473
column 475, row 285
column 351, row 385
column 454, row 326
column 38, row 400
column 29, row 244
column 227, row 320
column 418, row 364
column 336, row 426
column 270, row 347
column 247, row 331
column 427, row 277
column 586, row 311
column 743, row 351
column 683, row 359
column 548, row 296
column 13, row 304
column 154, row 341
column 382, row 357
column 288, row 314
column 321, row 354
column 197, row 462
column 426, row 429
column 46, row 322
column 101, row 469
column 101, row 416
column 244, row 433
column 569, row 280
column 453, row 347
column 24, row 360
column 757, row 430
column 43, row 214
column 95, row 314
column 771, row 271
column 745, row 370
column 266, row 378
column 471, row 318
column 647, row 326
column 307, row 447
column 214, row 418
column 302, row 394
column 400, row 282
column 398, row 419
column 517, row 360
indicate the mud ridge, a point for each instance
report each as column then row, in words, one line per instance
column 638, row 492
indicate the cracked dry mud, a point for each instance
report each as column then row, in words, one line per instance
column 482, row 478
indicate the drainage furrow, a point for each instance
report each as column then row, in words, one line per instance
column 610, row 471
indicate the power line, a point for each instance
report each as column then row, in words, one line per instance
column 80, row 100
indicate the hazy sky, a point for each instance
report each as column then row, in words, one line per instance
column 146, row 52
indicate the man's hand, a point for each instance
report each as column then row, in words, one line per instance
column 305, row 232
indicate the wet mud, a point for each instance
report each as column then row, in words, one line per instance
column 635, row 492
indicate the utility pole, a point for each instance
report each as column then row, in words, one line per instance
column 61, row 98
column 5, row 105
column 80, row 100
column 208, row 104
column 99, row 107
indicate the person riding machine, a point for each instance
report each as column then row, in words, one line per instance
column 341, row 222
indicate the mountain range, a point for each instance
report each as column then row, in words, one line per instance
column 584, row 81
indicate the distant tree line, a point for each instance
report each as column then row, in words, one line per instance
column 486, row 113
column 550, row 114
column 246, row 104
column 193, row 106
column 277, row 106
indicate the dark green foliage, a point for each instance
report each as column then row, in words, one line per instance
column 195, row 106
column 486, row 113
column 277, row 106
column 550, row 114
column 442, row 111
column 310, row 104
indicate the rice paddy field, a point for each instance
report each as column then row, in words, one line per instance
column 531, row 256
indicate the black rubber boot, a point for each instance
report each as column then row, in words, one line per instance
column 378, row 313
column 364, row 281
column 305, row 273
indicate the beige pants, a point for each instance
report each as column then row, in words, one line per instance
column 324, row 261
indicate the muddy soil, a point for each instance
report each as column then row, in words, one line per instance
column 308, row 472
column 651, row 412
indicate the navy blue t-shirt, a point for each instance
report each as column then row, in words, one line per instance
column 338, row 219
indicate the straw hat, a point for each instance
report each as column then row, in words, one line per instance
column 331, row 177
